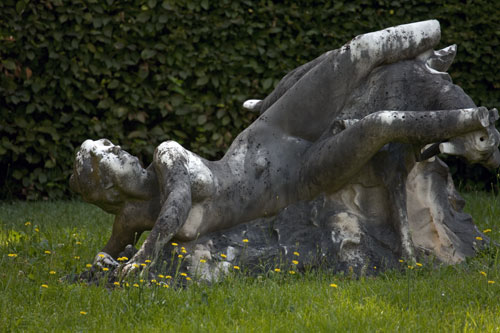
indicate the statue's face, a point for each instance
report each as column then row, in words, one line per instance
column 105, row 173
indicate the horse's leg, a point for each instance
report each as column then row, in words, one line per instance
column 331, row 162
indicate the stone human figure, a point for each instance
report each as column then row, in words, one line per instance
column 315, row 132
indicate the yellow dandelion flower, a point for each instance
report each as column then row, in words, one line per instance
column 88, row 265
column 486, row 231
column 184, row 274
column 122, row 259
column 333, row 285
column 401, row 260
column 100, row 255
column 296, row 254
column 147, row 261
column 374, row 267
column 44, row 286
column 12, row 255
column 135, row 285
column 126, row 284
column 203, row 261
column 183, row 248
column 37, row 230
column 141, row 280
column 83, row 313
column 391, row 12
column 105, row 269
column 223, row 255
column 245, row 240
column 77, row 257
column 78, row 243
column 291, row 272
column 277, row 270
column 52, row 272
column 143, row 265
column 158, row 283
column 47, row 252
column 161, row 276
column 174, row 244
column 153, row 281
column 491, row 281
column 295, row 262
column 165, row 286
column 116, row 283
column 410, row 267
column 184, row 251
column 479, row 238
column 168, row 277
column 135, row 265
column 236, row 267
column 483, row 273
column 27, row 223
column 188, row 278
column 180, row 256
column 418, row 264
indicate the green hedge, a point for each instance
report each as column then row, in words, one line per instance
column 144, row 71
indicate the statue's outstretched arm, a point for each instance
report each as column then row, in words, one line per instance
column 175, row 197
column 331, row 162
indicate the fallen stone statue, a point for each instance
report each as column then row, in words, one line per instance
column 338, row 171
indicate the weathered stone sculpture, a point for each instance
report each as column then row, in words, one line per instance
column 339, row 167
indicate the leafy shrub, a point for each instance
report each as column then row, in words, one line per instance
column 140, row 72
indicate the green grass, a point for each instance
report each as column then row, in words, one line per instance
column 453, row 298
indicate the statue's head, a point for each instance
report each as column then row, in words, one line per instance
column 105, row 174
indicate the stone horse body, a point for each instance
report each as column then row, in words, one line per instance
column 320, row 127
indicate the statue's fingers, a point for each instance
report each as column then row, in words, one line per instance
column 493, row 116
column 128, row 270
column 103, row 259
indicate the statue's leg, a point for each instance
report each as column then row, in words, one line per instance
column 321, row 92
column 331, row 162
column 344, row 67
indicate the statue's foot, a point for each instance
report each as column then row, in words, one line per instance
column 252, row 104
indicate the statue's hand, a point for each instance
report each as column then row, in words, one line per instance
column 128, row 269
column 134, row 265
column 103, row 259
column 480, row 146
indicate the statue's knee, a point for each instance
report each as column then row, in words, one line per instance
column 168, row 152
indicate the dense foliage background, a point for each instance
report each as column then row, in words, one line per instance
column 143, row 71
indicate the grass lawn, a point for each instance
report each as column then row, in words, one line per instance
column 42, row 242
